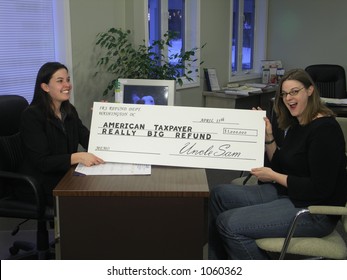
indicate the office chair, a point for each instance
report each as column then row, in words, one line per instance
column 11, row 205
column 343, row 123
column 331, row 246
column 330, row 79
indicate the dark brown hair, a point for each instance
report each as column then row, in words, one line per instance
column 314, row 104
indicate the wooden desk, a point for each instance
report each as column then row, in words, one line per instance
column 222, row 100
column 157, row 216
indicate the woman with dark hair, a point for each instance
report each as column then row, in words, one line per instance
column 51, row 130
column 308, row 169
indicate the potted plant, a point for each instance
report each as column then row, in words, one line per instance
column 120, row 58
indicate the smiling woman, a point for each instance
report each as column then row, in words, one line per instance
column 295, row 102
column 58, row 88
column 298, row 99
column 51, row 131
column 308, row 169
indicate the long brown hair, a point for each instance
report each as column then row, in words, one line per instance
column 314, row 103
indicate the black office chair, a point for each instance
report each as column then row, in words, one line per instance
column 330, row 79
column 11, row 180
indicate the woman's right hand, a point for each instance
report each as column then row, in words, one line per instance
column 87, row 159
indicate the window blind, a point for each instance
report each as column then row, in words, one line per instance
column 26, row 42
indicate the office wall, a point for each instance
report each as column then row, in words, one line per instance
column 88, row 17
column 307, row 32
column 299, row 33
column 214, row 28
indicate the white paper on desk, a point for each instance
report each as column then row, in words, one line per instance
column 237, row 92
column 114, row 168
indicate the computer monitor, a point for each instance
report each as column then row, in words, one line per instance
column 146, row 91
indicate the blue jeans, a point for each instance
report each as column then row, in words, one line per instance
column 238, row 215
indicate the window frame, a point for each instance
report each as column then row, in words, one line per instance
column 260, row 40
column 63, row 43
column 191, row 34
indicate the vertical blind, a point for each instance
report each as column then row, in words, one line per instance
column 26, row 42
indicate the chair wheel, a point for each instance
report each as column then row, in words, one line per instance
column 13, row 251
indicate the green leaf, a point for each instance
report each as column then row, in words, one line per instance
column 122, row 59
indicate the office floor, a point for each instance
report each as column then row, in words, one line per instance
column 26, row 233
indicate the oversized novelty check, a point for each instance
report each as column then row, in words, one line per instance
column 178, row 136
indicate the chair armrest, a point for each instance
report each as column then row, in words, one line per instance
column 327, row 210
column 314, row 209
column 29, row 182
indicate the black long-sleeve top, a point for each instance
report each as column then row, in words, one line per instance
column 48, row 145
column 313, row 156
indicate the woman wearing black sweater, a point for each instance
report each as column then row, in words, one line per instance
column 51, row 130
column 308, row 169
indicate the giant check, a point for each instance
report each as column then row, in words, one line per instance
column 178, row 136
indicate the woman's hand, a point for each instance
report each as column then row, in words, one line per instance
column 87, row 159
column 268, row 127
column 266, row 174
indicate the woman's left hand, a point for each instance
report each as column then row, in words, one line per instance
column 264, row 174
column 268, row 126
